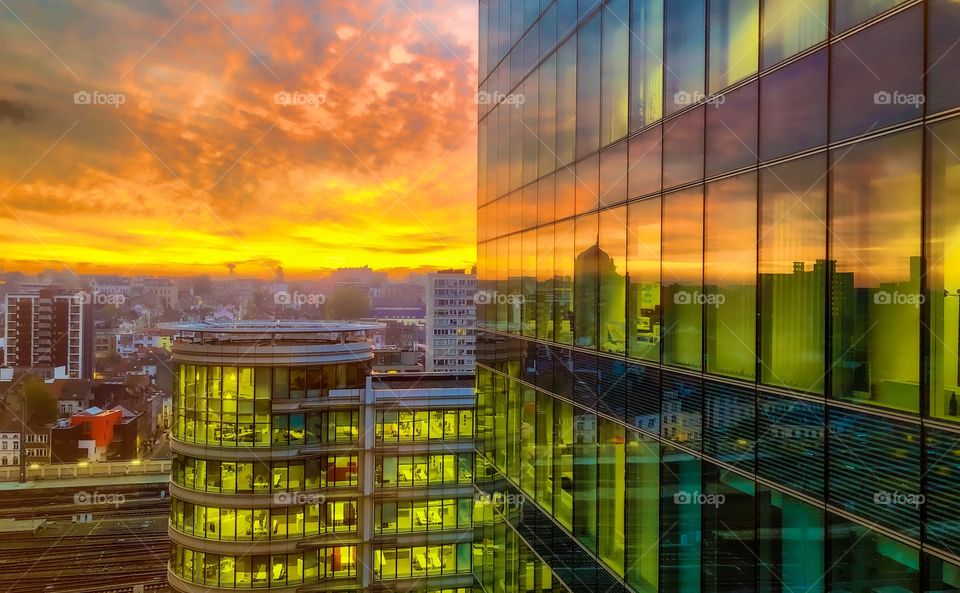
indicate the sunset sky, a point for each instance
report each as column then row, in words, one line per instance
column 200, row 166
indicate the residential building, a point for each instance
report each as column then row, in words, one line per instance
column 719, row 351
column 451, row 317
column 9, row 442
column 50, row 328
column 295, row 469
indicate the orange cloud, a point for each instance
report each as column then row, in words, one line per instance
column 310, row 135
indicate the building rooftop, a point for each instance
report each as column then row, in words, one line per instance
column 257, row 330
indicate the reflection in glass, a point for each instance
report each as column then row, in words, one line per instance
column 684, row 50
column 642, row 512
column 563, row 282
column 528, row 283
column 683, row 149
column 793, row 107
column 873, row 78
column 612, row 271
column 791, row 26
column 643, row 278
column 732, row 131
column 683, row 278
column 563, row 446
column 646, row 62
column 615, row 74
column 789, row 543
column 730, row 275
column 566, row 100
column 943, row 275
column 611, row 491
column 544, row 266
column 585, row 478
column 588, row 87
column 875, row 219
column 547, row 116
column 848, row 14
column 586, row 281
column 943, row 74
column 645, row 154
column 613, row 175
column 734, row 41
column 793, row 273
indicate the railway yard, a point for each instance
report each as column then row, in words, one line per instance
column 111, row 538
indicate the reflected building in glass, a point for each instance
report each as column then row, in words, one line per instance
column 734, row 230
column 295, row 469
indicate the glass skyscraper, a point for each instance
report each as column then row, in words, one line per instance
column 719, row 275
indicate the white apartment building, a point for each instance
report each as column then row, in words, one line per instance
column 451, row 318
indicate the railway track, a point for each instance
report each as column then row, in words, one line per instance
column 86, row 548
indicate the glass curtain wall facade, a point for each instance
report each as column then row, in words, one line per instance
column 728, row 236
column 296, row 469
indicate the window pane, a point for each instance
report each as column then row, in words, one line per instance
column 588, row 87
column 790, row 543
column 645, row 158
column 683, row 149
column 730, row 278
column 791, row 26
column 563, row 463
column 531, row 139
column 732, row 131
column 793, row 107
column 528, row 283
column 588, row 184
column 566, row 191
column 566, row 100
column 846, row 14
column 585, row 478
column 545, row 203
column 874, row 82
column 646, row 62
column 545, row 282
column 943, row 73
column 643, row 266
column 585, row 283
column 544, row 462
column 875, row 216
column 547, row 116
column 684, row 52
column 611, row 491
column 734, row 39
column 682, row 275
column 563, row 282
column 612, row 268
column 943, row 275
column 615, row 75
column 642, row 509
column 793, row 272
column 613, row 175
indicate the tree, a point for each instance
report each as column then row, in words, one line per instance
column 347, row 302
column 30, row 399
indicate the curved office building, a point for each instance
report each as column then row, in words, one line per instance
column 266, row 474
column 296, row 470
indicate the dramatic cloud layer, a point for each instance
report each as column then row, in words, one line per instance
column 177, row 136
